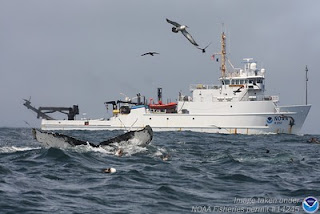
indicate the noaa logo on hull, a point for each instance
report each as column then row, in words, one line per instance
column 269, row 120
column 310, row 204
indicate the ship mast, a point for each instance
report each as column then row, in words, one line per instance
column 223, row 55
column 306, row 85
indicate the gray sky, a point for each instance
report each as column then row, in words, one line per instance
column 87, row 52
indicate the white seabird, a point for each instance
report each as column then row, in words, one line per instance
column 182, row 29
column 109, row 170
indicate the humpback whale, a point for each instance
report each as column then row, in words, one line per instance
column 52, row 139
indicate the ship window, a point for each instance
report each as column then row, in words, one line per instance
column 150, row 118
column 259, row 80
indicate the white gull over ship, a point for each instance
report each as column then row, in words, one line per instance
column 237, row 106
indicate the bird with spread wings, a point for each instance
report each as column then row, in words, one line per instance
column 182, row 28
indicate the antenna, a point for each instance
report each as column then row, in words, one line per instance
column 306, row 85
column 223, row 55
column 222, row 27
column 223, row 52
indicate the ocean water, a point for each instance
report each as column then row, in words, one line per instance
column 205, row 173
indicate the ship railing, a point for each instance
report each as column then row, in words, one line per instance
column 274, row 98
column 244, row 96
column 185, row 98
column 203, row 86
column 236, row 73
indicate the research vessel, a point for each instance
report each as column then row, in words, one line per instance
column 238, row 105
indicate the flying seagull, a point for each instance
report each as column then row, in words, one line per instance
column 183, row 30
column 204, row 49
column 149, row 53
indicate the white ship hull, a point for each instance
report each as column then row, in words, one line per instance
column 265, row 119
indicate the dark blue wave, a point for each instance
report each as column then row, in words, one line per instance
column 202, row 170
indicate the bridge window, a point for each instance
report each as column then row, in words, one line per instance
column 225, row 82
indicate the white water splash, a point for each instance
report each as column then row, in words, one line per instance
column 128, row 148
column 12, row 149
column 88, row 148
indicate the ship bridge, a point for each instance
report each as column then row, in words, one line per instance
column 250, row 76
column 247, row 84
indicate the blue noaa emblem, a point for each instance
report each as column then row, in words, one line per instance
column 310, row 204
column 269, row 120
